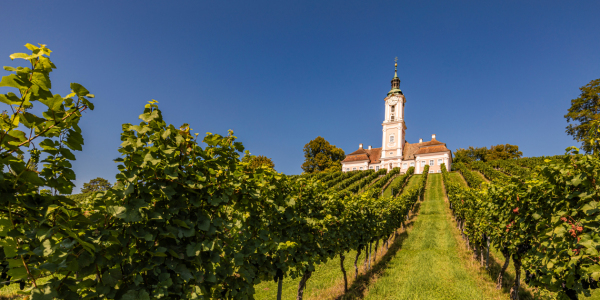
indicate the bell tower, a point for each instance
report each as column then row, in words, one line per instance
column 393, row 124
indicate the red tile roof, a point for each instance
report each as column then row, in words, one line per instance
column 371, row 155
column 432, row 146
column 410, row 150
column 432, row 149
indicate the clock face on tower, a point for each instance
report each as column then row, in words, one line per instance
column 393, row 100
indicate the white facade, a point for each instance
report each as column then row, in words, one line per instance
column 395, row 151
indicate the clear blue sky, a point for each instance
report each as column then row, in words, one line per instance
column 280, row 73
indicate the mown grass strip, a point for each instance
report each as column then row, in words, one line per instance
column 457, row 178
column 428, row 266
column 412, row 181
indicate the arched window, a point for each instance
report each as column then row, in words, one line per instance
column 392, row 112
column 391, row 138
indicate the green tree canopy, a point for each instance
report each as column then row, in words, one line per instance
column 470, row 154
column 96, row 185
column 584, row 110
column 506, row 151
column 258, row 161
column 320, row 155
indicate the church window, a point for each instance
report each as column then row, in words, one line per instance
column 353, row 169
column 393, row 112
column 412, row 164
column 392, row 138
column 422, row 163
column 370, row 167
column 404, row 165
column 376, row 168
column 431, row 163
column 439, row 161
column 360, row 168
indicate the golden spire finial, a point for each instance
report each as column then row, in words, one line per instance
column 396, row 67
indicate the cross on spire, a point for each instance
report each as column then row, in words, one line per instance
column 395, row 80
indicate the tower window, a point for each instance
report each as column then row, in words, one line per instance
column 391, row 138
column 392, row 112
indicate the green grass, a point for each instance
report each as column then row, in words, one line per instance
column 428, row 265
column 388, row 190
column 325, row 283
column 480, row 175
column 457, row 178
column 412, row 181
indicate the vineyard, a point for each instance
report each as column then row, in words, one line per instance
column 183, row 221
column 540, row 214
column 192, row 222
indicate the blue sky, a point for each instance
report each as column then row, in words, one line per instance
column 280, row 73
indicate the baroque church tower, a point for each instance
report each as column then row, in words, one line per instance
column 395, row 151
column 394, row 128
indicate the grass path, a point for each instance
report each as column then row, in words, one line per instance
column 388, row 190
column 457, row 178
column 412, row 181
column 430, row 264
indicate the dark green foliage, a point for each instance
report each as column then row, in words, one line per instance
column 376, row 189
column 473, row 180
column 488, row 171
column 398, row 185
column 96, row 185
column 510, row 167
column 484, row 154
column 470, row 154
column 321, row 156
column 258, row 161
column 546, row 220
column 584, row 111
column 364, row 182
column 505, row 151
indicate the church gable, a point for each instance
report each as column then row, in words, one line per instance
column 395, row 151
column 371, row 155
column 433, row 146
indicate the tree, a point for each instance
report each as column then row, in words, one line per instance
column 584, row 110
column 470, row 154
column 320, row 156
column 258, row 161
column 484, row 154
column 96, row 185
column 506, row 151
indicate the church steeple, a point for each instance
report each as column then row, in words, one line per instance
column 395, row 81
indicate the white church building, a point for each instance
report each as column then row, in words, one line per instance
column 395, row 151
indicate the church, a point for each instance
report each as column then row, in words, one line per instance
column 395, row 151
